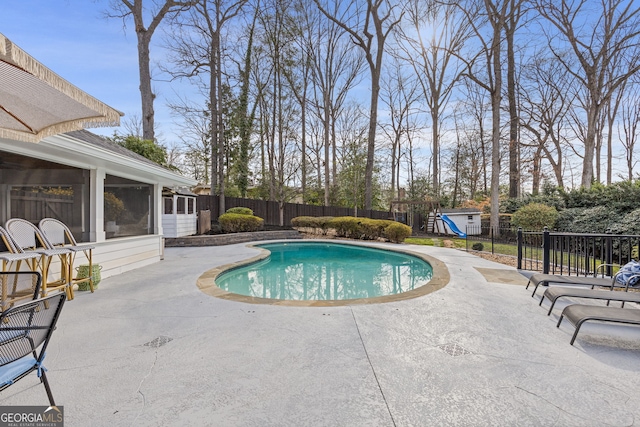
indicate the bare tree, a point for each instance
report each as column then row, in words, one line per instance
column 335, row 71
column 598, row 33
column 630, row 132
column 476, row 108
column 135, row 9
column 433, row 60
column 369, row 23
column 197, row 50
column 546, row 97
column 399, row 94
column 493, row 16
column 195, row 126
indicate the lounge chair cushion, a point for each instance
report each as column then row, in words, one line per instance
column 630, row 272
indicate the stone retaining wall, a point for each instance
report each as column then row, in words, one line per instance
column 231, row 238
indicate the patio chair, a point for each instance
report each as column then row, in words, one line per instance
column 10, row 254
column 27, row 237
column 59, row 235
column 25, row 331
column 557, row 292
column 577, row 314
column 538, row 279
column 18, row 286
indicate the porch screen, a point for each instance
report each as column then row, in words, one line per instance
column 34, row 189
column 128, row 207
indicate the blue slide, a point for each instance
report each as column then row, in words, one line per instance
column 452, row 226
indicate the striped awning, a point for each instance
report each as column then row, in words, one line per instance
column 35, row 102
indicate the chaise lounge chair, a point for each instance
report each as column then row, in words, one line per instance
column 577, row 314
column 557, row 292
column 593, row 281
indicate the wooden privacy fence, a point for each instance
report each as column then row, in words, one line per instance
column 34, row 206
column 270, row 211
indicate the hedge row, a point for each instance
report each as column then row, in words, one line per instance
column 355, row 228
column 597, row 219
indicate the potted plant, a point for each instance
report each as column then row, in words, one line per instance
column 113, row 210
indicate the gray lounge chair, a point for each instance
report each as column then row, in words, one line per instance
column 538, row 279
column 577, row 314
column 557, row 292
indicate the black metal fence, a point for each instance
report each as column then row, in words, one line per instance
column 489, row 237
column 574, row 253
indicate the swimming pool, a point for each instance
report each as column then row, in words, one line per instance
column 326, row 271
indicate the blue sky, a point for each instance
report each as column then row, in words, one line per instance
column 72, row 38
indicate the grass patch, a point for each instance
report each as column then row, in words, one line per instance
column 498, row 248
column 420, row 241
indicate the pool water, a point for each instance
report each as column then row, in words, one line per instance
column 309, row 271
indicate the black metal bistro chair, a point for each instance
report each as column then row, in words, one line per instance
column 25, row 331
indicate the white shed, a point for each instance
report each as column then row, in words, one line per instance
column 179, row 216
column 466, row 220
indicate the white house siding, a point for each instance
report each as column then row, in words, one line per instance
column 179, row 225
column 124, row 254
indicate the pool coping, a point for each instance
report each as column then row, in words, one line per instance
column 206, row 282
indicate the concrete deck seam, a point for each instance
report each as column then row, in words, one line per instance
column 364, row 347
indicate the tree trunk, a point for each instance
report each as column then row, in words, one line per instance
column 146, row 93
column 371, row 139
column 514, row 178
column 589, row 147
column 496, row 98
column 327, row 142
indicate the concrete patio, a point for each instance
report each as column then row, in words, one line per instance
column 150, row 349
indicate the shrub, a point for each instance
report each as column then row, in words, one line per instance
column 235, row 223
column 566, row 218
column 319, row 223
column 594, row 220
column 240, row 211
column 535, row 216
column 356, row 228
column 346, row 226
column 371, row 229
column 629, row 224
column 397, row 232
column 477, row 246
column 621, row 196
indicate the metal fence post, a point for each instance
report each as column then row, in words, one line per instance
column 609, row 256
column 519, row 240
column 546, row 250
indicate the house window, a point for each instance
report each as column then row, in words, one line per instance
column 181, row 206
column 470, row 217
column 128, row 207
column 192, row 208
column 168, row 205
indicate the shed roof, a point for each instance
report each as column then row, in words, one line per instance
column 461, row 211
